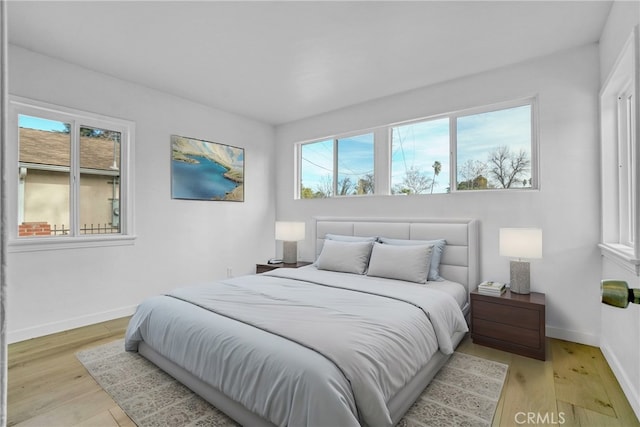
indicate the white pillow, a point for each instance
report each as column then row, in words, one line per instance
column 346, row 257
column 402, row 262
column 438, row 249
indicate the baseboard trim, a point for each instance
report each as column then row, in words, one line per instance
column 574, row 336
column 632, row 395
column 65, row 325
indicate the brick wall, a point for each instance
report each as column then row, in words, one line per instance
column 34, row 229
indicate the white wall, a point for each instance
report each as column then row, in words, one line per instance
column 620, row 340
column 179, row 242
column 566, row 207
column 623, row 16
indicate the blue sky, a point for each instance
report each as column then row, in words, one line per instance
column 420, row 144
column 30, row 122
column 355, row 160
column 479, row 134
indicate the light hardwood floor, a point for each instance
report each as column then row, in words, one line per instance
column 574, row 387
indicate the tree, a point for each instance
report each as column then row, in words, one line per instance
column 477, row 183
column 473, row 174
column 325, row 187
column 437, row 167
column 94, row 132
column 414, row 182
column 345, row 186
column 507, row 167
column 365, row 184
column 306, row 192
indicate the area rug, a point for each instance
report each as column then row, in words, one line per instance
column 464, row 393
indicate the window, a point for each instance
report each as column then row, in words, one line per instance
column 340, row 166
column 493, row 149
column 72, row 175
column 316, row 170
column 619, row 128
column 488, row 148
column 420, row 158
column 626, row 166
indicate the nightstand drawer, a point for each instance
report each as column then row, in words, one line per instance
column 500, row 313
column 510, row 322
column 508, row 333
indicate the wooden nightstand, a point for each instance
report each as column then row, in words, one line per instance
column 510, row 322
column 261, row 268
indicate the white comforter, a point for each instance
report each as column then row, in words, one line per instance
column 299, row 346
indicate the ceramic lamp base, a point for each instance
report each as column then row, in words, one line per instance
column 289, row 252
column 520, row 277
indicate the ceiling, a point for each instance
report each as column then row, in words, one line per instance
column 278, row 62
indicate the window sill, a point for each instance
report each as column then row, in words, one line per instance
column 621, row 255
column 58, row 243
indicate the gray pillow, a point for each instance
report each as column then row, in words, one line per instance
column 438, row 249
column 344, row 238
column 402, row 262
column 346, row 257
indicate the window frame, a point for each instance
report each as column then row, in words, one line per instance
column 383, row 149
column 414, row 122
column 620, row 160
column 535, row 156
column 77, row 118
column 335, row 171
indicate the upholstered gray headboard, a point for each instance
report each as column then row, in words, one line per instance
column 460, row 258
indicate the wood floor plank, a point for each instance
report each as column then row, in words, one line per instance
column 103, row 419
column 46, row 375
column 46, row 399
column 121, row 418
column 25, row 351
column 624, row 411
column 577, row 380
column 530, row 390
column 75, row 411
column 571, row 415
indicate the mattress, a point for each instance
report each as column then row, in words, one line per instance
column 290, row 344
column 456, row 290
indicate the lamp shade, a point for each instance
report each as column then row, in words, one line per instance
column 521, row 242
column 290, row 231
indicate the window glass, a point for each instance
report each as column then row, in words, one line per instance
column 626, row 167
column 355, row 165
column 494, row 150
column 71, row 176
column 99, row 181
column 316, row 170
column 44, row 170
column 420, row 158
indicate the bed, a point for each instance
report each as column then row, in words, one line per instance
column 269, row 349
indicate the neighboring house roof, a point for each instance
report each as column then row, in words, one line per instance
column 53, row 148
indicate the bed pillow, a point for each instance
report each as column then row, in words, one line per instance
column 402, row 262
column 346, row 257
column 438, row 249
column 344, row 238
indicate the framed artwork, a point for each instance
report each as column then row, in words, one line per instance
column 204, row 170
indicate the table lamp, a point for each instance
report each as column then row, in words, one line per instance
column 290, row 233
column 520, row 243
